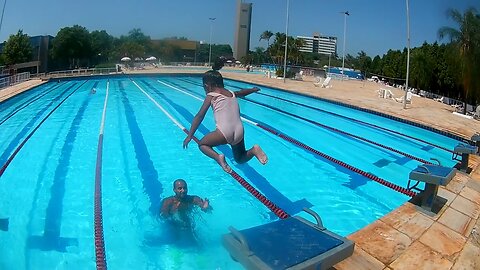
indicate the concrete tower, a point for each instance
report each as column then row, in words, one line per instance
column 241, row 45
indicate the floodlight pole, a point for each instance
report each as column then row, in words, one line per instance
column 3, row 12
column 286, row 46
column 329, row 56
column 210, row 43
column 344, row 39
column 408, row 57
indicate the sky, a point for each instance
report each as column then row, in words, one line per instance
column 374, row 26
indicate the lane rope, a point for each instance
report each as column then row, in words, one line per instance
column 357, row 121
column 100, row 257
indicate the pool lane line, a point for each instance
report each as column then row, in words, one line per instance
column 12, row 156
column 269, row 204
column 337, row 130
column 352, row 119
column 51, row 238
column 312, row 150
column 28, row 102
column 16, row 137
column 149, row 174
column 100, row 257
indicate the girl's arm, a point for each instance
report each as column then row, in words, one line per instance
column 245, row 92
column 197, row 120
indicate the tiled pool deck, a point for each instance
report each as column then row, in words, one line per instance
column 406, row 238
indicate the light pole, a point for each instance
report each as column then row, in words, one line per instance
column 344, row 39
column 210, row 43
column 408, row 58
column 329, row 56
column 3, row 12
column 286, row 45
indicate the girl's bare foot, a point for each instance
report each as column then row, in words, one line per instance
column 221, row 161
column 259, row 154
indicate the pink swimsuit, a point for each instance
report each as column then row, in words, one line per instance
column 227, row 117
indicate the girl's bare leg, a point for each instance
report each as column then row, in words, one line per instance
column 242, row 156
column 210, row 140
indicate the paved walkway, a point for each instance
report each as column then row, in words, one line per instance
column 11, row 91
column 408, row 237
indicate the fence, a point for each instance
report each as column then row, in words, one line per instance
column 14, row 79
column 81, row 72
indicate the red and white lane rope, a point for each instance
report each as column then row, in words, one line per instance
column 100, row 257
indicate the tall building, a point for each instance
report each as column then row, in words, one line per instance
column 319, row 44
column 241, row 45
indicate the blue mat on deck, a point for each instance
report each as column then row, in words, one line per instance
column 303, row 242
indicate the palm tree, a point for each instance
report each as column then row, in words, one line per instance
column 266, row 35
column 464, row 40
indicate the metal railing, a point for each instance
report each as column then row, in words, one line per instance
column 14, row 79
column 81, row 72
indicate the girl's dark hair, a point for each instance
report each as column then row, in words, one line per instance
column 213, row 77
column 218, row 63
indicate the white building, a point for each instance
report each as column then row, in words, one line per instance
column 319, row 44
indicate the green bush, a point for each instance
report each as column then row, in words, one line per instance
column 289, row 74
column 106, row 65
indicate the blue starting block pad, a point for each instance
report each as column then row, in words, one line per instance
column 433, row 176
column 464, row 150
column 293, row 243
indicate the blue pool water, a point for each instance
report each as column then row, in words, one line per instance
column 47, row 190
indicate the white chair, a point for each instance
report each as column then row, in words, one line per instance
column 409, row 98
column 318, row 81
column 439, row 99
column 299, row 76
column 476, row 115
column 326, row 83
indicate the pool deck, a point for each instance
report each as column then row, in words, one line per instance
column 407, row 237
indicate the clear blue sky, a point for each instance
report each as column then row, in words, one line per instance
column 374, row 26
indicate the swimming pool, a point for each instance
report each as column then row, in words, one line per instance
column 49, row 140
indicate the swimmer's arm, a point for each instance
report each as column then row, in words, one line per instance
column 245, row 92
column 198, row 119
column 165, row 209
column 203, row 204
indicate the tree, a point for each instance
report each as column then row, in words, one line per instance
column 266, row 35
column 102, row 45
column 17, row 49
column 363, row 62
column 377, row 65
column 131, row 49
column 72, row 46
column 465, row 39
